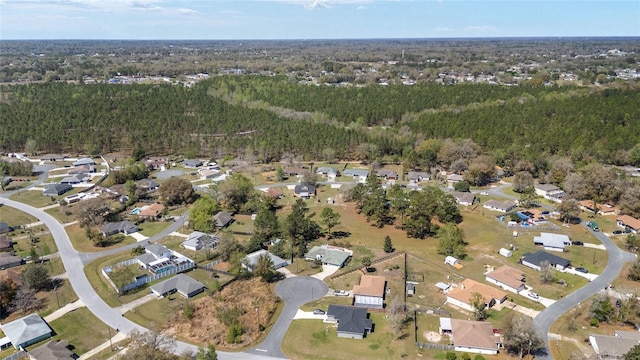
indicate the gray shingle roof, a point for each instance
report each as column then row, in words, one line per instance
column 355, row 172
column 252, row 259
column 52, row 350
column 350, row 319
column 329, row 256
column 184, row 284
column 538, row 257
column 222, row 219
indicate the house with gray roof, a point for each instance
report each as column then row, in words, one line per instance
column 56, row 189
column 147, row 184
column 304, row 191
column 353, row 322
column 52, row 350
column 536, row 259
column 84, row 161
column 251, row 260
column 552, row 242
column 27, row 331
column 197, row 240
column 329, row 255
column 614, row 347
column 222, row 219
column 181, row 283
column 7, row 260
column 4, row 228
column 327, row 172
column 192, row 163
column 464, row 198
column 387, row 174
column 359, row 175
column 501, row 206
column 124, row 227
column 418, row 176
column 76, row 179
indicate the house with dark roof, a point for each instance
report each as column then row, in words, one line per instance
column 76, row 179
column 192, row 163
column 222, row 219
column 56, row 189
column 469, row 336
column 536, row 259
column 4, row 228
column 501, row 206
column 5, row 243
column 507, row 277
column 26, row 331
column 370, row 292
column 464, row 198
column 329, row 255
column 124, row 227
column 304, row 191
column 147, row 184
column 387, row 174
column 353, row 322
column 7, row 260
column 181, row 283
column 52, row 350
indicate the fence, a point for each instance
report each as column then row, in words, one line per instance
column 434, row 312
column 19, row 355
column 144, row 280
column 434, row 346
column 373, row 262
column 211, row 264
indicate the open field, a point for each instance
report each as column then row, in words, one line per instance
column 35, row 198
column 82, row 244
column 64, row 214
column 15, row 217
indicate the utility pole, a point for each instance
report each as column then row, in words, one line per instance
column 110, row 342
column 55, row 289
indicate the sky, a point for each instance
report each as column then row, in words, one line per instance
column 314, row 19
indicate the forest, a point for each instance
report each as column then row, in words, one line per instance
column 261, row 117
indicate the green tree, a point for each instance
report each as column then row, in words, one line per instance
column 528, row 198
column 329, row 219
column 522, row 180
column 265, row 226
column 374, row 207
column 36, row 277
column 201, row 214
column 461, row 186
column 602, row 309
column 479, row 306
column 137, row 251
column 388, row 246
column 228, row 245
column 633, row 353
column 569, row 210
column 176, row 191
column 235, row 192
column 264, row 268
column 451, row 241
column 520, row 336
column 208, row 353
column 399, row 200
column 279, row 173
column 366, row 261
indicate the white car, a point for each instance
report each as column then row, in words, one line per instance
column 533, row 295
column 341, row 293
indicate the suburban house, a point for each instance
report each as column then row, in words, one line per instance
column 469, row 336
column 454, row 178
column 304, row 191
column 7, row 260
column 52, row 350
column 84, row 162
column 26, row 331
column 81, row 169
column 191, row 163
column 209, row 174
column 461, row 295
column 552, row 242
column 536, row 259
column 124, row 227
column 614, row 347
column 4, row 228
column 327, row 172
column 418, row 176
column 251, row 260
column 329, row 255
column 353, row 322
column 181, row 283
column 197, row 240
column 157, row 258
column 602, row 209
column 387, row 174
column 157, row 164
column 115, row 191
column 147, row 184
column 56, row 189
column 76, row 179
column 464, row 198
column 628, row 222
column 153, row 211
column 222, row 219
column 549, row 192
column 274, row 193
column 5, row 243
column 507, row 278
column 370, row 292
column 295, row 172
column 501, row 206
column 358, row 175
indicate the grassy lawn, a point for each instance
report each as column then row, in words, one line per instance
column 64, row 214
column 102, row 287
column 157, row 312
column 66, row 328
column 65, row 295
column 323, row 303
column 81, row 243
column 302, row 267
column 34, row 198
column 15, row 217
column 44, row 245
column 150, row 228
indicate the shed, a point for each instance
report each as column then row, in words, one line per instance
column 506, row 253
column 450, row 260
column 411, row 288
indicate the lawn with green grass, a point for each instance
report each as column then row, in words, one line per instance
column 81, row 243
column 34, row 198
column 15, row 217
column 155, row 313
column 43, row 245
column 92, row 333
column 64, row 214
column 150, row 228
column 63, row 295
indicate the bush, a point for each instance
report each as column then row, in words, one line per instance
column 466, row 356
column 478, row 357
column 450, row 355
column 594, row 322
column 189, row 310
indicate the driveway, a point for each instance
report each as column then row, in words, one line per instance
column 327, row 270
column 542, row 300
column 295, row 292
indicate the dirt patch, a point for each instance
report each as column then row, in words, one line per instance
column 432, row 336
column 242, row 302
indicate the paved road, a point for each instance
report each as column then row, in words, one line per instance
column 617, row 258
column 295, row 292
column 72, row 260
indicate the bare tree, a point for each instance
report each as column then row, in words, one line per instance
column 150, row 345
column 92, row 212
column 520, row 336
column 25, row 300
column 546, row 272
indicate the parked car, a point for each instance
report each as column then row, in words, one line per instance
column 371, row 269
column 579, row 243
column 533, row 295
column 582, row 270
column 341, row 293
column 617, row 232
column 627, row 231
column 318, row 312
column 618, row 303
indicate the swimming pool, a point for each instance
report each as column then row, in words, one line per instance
column 522, row 216
column 135, row 211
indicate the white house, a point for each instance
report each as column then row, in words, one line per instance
column 549, row 192
column 552, row 242
column 507, row 278
column 197, row 240
column 359, row 175
column 501, row 206
column 251, row 260
column 464, row 198
column 468, row 336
